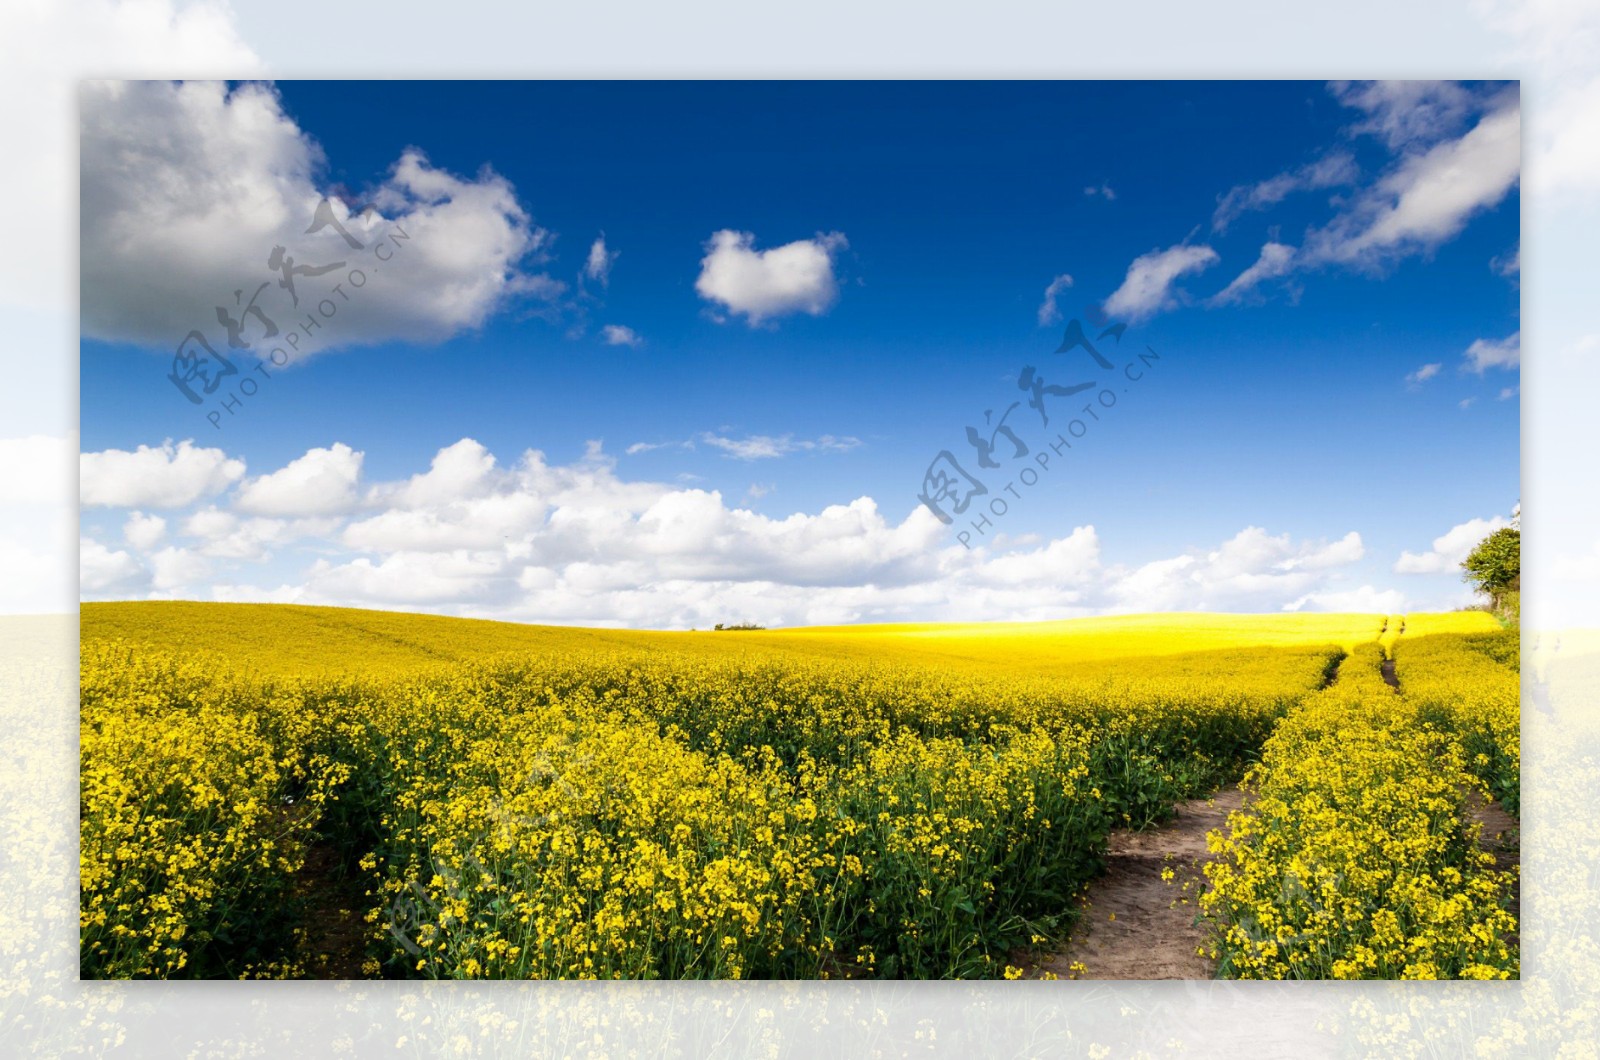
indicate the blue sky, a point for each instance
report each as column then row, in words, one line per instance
column 879, row 284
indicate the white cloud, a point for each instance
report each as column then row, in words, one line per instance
column 100, row 570
column 188, row 188
column 1364, row 600
column 764, row 446
column 224, row 535
column 1276, row 259
column 1466, row 403
column 1406, row 115
column 1428, row 197
column 1423, row 374
column 1048, row 312
column 597, row 266
column 1102, row 190
column 44, row 48
column 1449, row 548
column 175, row 570
column 1484, row 354
column 1253, row 570
column 1509, row 392
column 144, row 532
column 1508, row 265
column 1331, row 170
column 618, row 335
column 167, row 476
column 645, row 447
column 1148, row 287
column 578, row 544
column 797, row 277
column 323, row 482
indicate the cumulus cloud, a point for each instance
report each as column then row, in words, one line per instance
column 1276, row 259
column 1362, row 600
column 797, row 277
column 165, row 476
column 1422, row 375
column 144, row 532
column 1048, row 311
column 1449, row 548
column 1242, row 573
column 323, row 482
column 1484, row 354
column 577, row 543
column 197, row 197
column 1331, row 170
column 1149, row 286
column 46, row 48
column 618, row 335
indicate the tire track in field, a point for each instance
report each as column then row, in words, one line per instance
column 1136, row 924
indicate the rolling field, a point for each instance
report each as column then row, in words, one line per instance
column 285, row 791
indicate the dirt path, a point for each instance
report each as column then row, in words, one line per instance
column 1137, row 925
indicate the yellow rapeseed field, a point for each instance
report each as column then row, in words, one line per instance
column 496, row 800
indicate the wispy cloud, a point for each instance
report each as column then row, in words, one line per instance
column 766, row 446
column 1276, row 259
column 597, row 266
column 1331, row 170
column 1048, row 312
column 1149, row 286
column 1422, row 375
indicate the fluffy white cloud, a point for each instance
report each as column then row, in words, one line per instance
column 1449, row 548
column 1484, row 354
column 323, row 482
column 1253, row 570
column 192, row 193
column 167, row 476
column 223, row 535
column 101, row 570
column 797, row 277
column 578, row 544
column 1423, row 374
column 1362, row 600
column 1276, row 259
column 620, row 335
column 1148, row 287
column 1048, row 312
column 44, row 48
column 1329, row 171
column 175, row 571
column 144, row 532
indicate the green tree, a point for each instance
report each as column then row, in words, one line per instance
column 1494, row 566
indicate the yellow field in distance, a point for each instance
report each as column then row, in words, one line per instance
column 300, row 640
